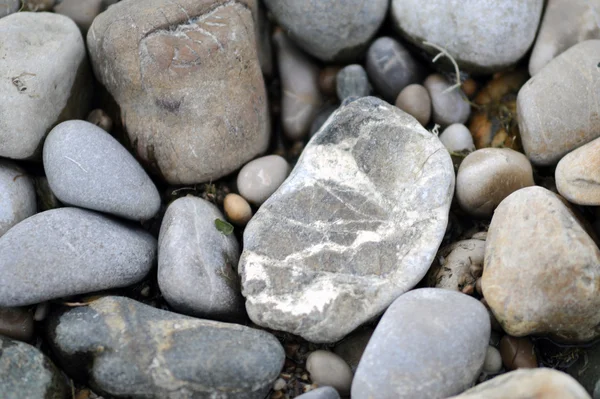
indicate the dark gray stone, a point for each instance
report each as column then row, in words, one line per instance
column 320, row 393
column 197, row 263
column 128, row 349
column 430, row 343
column 321, row 118
column 330, row 30
column 391, row 68
column 88, row 168
column 70, row 251
column 27, row 373
column 352, row 80
column 17, row 196
column 355, row 225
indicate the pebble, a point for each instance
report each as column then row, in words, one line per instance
column 279, row 384
column 16, row 323
column 489, row 175
column 237, row 209
column 493, row 361
column 577, row 177
column 352, row 80
column 301, row 97
column 17, row 196
column 391, row 67
column 197, row 262
column 517, row 353
column 480, row 36
column 88, row 168
column 454, row 265
column 564, row 25
column 28, row 373
column 81, row 12
column 140, row 351
column 101, row 119
column 328, row 80
column 320, row 393
column 541, row 268
column 414, row 99
column 447, row 107
column 70, row 251
column 37, row 82
column 185, row 127
column 528, row 383
column 321, row 118
column 327, row 368
column 550, row 129
column 353, row 346
column 372, row 184
column 9, row 6
column 403, row 358
column 328, row 29
column 260, row 178
column 38, row 5
column 457, row 138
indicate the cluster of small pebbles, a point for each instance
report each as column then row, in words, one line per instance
column 299, row 199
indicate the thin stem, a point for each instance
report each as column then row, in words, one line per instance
column 444, row 52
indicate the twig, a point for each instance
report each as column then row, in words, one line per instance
column 444, row 53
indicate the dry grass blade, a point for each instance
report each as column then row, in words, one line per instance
column 444, row 53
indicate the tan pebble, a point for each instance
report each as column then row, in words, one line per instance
column 101, row 119
column 414, row 99
column 277, row 395
column 237, row 209
column 468, row 289
column 327, row 80
column 517, row 353
column 469, row 87
column 327, row 368
column 279, row 384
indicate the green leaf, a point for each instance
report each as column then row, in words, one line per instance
column 223, row 227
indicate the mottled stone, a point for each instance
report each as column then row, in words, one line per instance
column 353, row 346
column 17, row 196
column 430, row 343
column 549, row 128
column 8, row 7
column 138, row 351
column 414, row 99
column 457, row 138
column 578, row 175
column 301, row 98
column 174, row 68
column 329, row 29
column 480, row 35
column 82, row 12
column 28, row 373
column 260, row 178
column 38, row 83
column 565, row 23
column 327, row 368
column 536, row 384
column 355, row 225
column 88, row 168
column 70, row 251
column 352, row 80
column 541, row 268
column 196, row 262
column 320, row 393
column 447, row 107
column 16, row 323
column 391, row 67
column 489, row 175
column 458, row 265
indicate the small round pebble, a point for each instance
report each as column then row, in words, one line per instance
column 16, row 323
column 414, row 99
column 320, row 393
column 517, row 353
column 237, row 209
column 493, row 361
column 260, row 178
column 101, row 119
column 327, row 368
column 457, row 138
column 448, row 107
column 327, row 80
column 279, row 384
column 351, row 81
column 469, row 87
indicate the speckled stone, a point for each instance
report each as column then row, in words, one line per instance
column 578, row 175
column 260, row 178
column 446, row 107
column 17, row 196
column 139, row 351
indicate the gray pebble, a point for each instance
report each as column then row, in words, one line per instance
column 457, row 138
column 352, row 347
column 70, row 251
column 9, row 6
column 352, row 80
column 448, row 107
column 17, row 196
column 391, row 67
column 493, row 361
column 327, row 368
column 197, row 263
column 81, row 12
column 88, row 168
column 320, row 393
column 260, row 178
column 414, row 99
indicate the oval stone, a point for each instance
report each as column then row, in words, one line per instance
column 578, row 175
column 260, row 178
column 447, row 107
column 17, row 196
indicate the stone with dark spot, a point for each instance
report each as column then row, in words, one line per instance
column 28, row 373
column 187, row 78
column 127, row 349
column 355, row 225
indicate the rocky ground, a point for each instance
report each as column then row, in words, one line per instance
column 315, row 199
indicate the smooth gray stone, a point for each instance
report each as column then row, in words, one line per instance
column 320, row 393
column 88, row 168
column 27, row 373
column 38, row 88
column 430, row 343
column 391, row 68
column 17, row 196
column 127, row 349
column 355, row 225
column 330, row 30
column 261, row 177
column 197, row 263
column 70, row 251
column 448, row 107
column 352, row 80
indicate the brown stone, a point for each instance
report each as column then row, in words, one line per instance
column 237, row 209
column 517, row 353
column 578, row 175
column 101, row 119
column 327, row 80
column 414, row 99
column 188, row 81
column 16, row 323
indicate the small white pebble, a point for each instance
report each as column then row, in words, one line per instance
column 457, row 138
column 279, row 384
column 493, row 361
